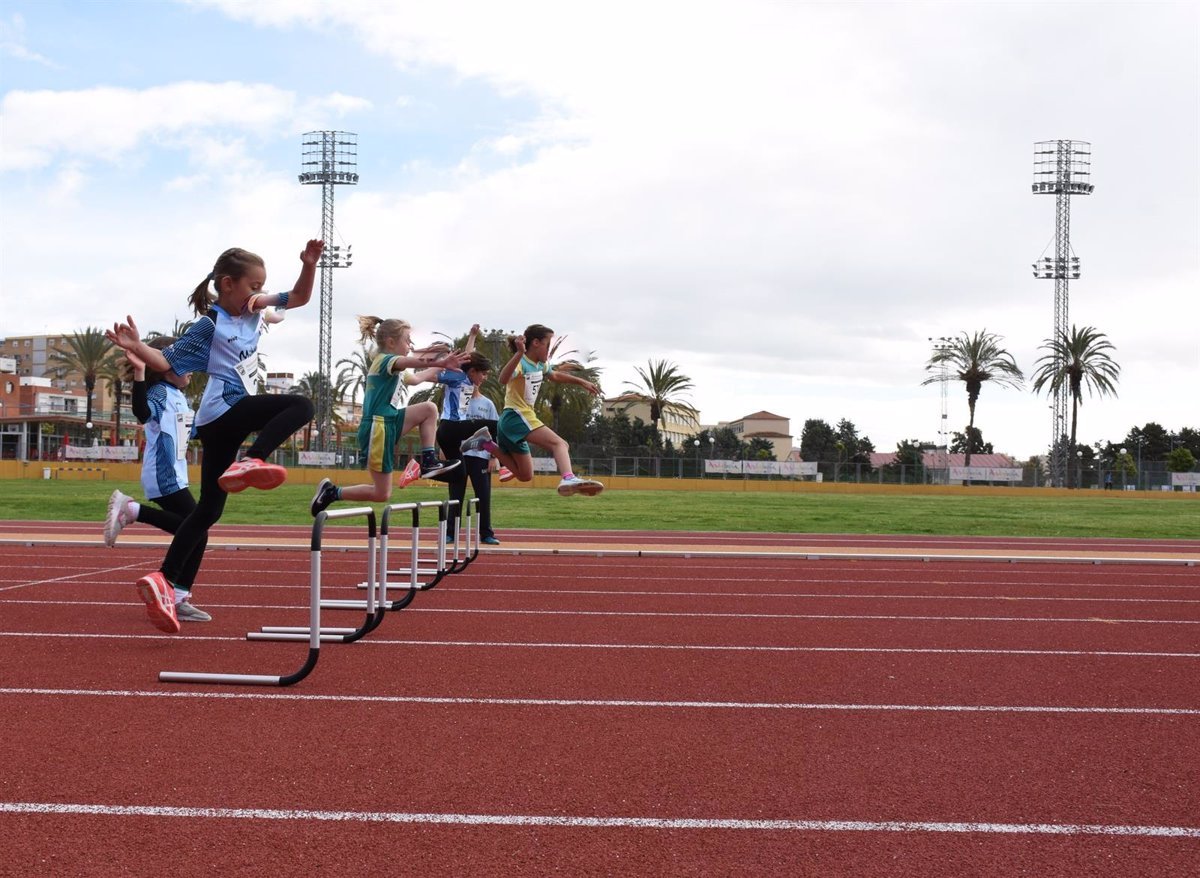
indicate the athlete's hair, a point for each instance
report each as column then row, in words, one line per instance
column 234, row 263
column 532, row 332
column 379, row 330
column 478, row 362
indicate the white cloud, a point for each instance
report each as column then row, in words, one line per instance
column 13, row 43
column 784, row 199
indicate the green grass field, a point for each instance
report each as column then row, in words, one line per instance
column 1088, row 514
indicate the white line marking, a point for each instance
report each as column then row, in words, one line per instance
column 601, row 822
column 818, row 595
column 699, row 647
column 70, row 576
column 657, row 615
column 805, row 616
column 580, row 702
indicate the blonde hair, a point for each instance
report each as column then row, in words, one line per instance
column 234, row 263
column 379, row 330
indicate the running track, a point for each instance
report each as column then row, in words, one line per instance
column 600, row 704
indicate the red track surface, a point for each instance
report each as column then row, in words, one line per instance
column 608, row 715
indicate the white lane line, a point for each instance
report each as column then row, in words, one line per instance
column 483, row 589
column 656, row 615
column 683, row 647
column 601, row 822
column 68, row 577
column 623, row 703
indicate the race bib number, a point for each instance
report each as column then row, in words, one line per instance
column 247, row 370
column 533, row 383
column 397, row 400
column 183, row 432
column 464, row 400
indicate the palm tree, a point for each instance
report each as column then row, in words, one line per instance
column 113, row 373
column 352, row 377
column 660, row 388
column 1075, row 361
column 310, row 385
column 973, row 360
column 85, row 354
column 565, row 400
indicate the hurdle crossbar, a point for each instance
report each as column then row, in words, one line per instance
column 313, row 635
column 373, row 606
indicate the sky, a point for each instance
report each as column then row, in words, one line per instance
column 785, row 200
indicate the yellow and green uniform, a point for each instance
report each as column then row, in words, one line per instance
column 383, row 417
column 519, row 419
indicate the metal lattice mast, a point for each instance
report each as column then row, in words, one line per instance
column 941, row 345
column 328, row 159
column 1061, row 168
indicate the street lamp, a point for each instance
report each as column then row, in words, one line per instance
column 1138, row 475
column 89, row 432
column 1124, row 471
column 1079, row 481
column 699, row 469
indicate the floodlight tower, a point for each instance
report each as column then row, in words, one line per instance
column 941, row 345
column 328, row 159
column 1061, row 168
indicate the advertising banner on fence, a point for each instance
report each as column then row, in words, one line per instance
column 985, row 474
column 1185, row 479
column 100, row 452
column 760, row 467
column 317, row 458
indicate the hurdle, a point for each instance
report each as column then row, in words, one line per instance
column 414, row 571
column 374, row 605
column 470, row 545
column 313, row 635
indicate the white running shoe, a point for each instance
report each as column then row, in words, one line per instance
column 576, row 485
column 185, row 611
column 117, row 518
column 475, row 441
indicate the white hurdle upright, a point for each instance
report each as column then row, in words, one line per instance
column 466, row 537
column 313, row 635
column 374, row 605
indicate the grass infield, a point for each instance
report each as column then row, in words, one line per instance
column 1088, row 514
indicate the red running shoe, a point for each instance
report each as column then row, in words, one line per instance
column 506, row 475
column 159, row 597
column 250, row 472
column 411, row 473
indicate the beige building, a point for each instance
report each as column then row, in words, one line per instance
column 776, row 429
column 677, row 424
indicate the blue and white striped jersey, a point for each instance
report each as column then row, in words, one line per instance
column 225, row 347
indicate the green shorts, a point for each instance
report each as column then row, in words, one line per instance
column 511, row 431
column 377, row 442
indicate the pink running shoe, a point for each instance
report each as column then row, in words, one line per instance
column 506, row 475
column 250, row 472
column 159, row 597
column 411, row 473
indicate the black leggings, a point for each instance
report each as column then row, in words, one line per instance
column 175, row 508
column 275, row 418
column 481, row 483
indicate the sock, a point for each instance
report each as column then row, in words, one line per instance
column 181, row 595
column 132, row 508
column 568, row 475
column 337, row 492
